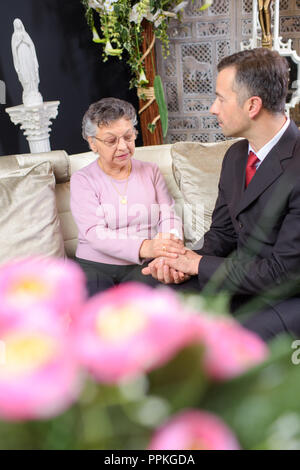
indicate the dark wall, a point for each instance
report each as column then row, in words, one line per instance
column 70, row 66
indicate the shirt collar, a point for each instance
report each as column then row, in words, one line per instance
column 263, row 152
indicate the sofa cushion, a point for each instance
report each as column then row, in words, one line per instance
column 79, row 160
column 29, row 223
column 196, row 169
column 68, row 226
column 160, row 154
column 59, row 160
column 8, row 164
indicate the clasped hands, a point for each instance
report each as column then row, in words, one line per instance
column 172, row 263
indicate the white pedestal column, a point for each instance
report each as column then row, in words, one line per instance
column 35, row 122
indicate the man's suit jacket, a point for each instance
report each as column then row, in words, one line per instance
column 254, row 238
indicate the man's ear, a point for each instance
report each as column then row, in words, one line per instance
column 254, row 106
column 92, row 144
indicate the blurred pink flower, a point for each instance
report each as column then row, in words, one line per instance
column 194, row 430
column 55, row 283
column 39, row 377
column 230, row 349
column 130, row 329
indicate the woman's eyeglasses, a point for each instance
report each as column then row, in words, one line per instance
column 113, row 141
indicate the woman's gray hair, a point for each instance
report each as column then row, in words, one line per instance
column 104, row 112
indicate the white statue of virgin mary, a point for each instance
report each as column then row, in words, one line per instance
column 26, row 64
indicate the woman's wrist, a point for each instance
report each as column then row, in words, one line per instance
column 145, row 248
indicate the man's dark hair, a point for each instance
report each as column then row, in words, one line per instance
column 261, row 72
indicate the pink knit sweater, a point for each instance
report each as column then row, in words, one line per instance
column 111, row 232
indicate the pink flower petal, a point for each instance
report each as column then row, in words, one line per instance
column 39, row 376
column 57, row 284
column 230, row 349
column 130, row 329
column 194, row 430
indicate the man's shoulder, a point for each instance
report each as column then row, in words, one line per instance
column 237, row 151
column 240, row 144
column 289, row 144
column 294, row 128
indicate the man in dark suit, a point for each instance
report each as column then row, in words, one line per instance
column 252, row 248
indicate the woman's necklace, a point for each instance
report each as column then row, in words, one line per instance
column 123, row 197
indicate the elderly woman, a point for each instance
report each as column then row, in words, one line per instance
column 122, row 208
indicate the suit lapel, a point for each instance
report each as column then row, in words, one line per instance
column 270, row 169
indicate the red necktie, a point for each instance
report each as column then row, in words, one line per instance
column 250, row 168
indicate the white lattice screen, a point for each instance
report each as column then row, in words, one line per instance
column 197, row 45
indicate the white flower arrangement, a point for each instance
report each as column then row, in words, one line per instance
column 118, row 26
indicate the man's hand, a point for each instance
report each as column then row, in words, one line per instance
column 187, row 263
column 163, row 273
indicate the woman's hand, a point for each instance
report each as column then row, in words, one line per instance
column 164, row 244
column 163, row 273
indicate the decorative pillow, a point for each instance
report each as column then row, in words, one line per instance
column 59, row 160
column 29, row 223
column 196, row 168
column 8, row 164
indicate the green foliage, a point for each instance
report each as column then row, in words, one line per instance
column 151, row 127
column 181, row 380
column 162, row 107
column 117, row 26
column 119, row 23
column 88, row 13
column 261, row 406
column 206, row 4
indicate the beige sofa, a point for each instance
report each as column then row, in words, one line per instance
column 35, row 215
